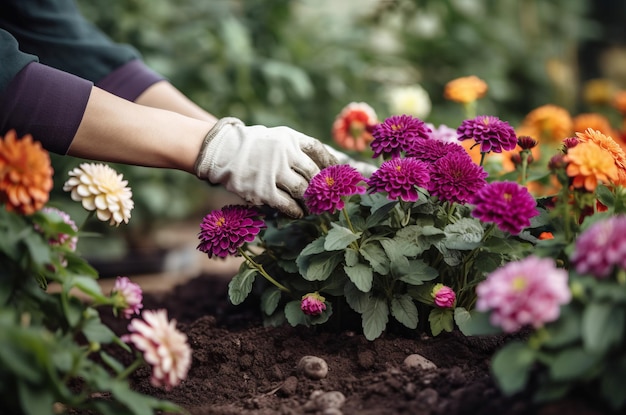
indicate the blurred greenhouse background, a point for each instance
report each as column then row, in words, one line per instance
column 299, row 62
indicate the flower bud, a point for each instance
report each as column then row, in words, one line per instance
column 443, row 296
column 526, row 142
column 313, row 304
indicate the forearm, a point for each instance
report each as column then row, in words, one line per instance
column 116, row 130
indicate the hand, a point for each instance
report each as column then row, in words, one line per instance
column 363, row 167
column 271, row 166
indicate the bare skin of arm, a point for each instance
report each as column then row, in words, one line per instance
column 116, row 130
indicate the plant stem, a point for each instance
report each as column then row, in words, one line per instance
column 130, row 369
column 525, row 154
column 482, row 158
column 262, row 271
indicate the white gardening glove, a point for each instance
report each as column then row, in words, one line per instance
column 366, row 169
column 271, row 166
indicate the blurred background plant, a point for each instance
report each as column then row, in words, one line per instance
column 298, row 62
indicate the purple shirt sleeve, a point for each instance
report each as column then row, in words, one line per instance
column 129, row 80
column 47, row 103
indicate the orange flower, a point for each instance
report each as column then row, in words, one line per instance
column 25, row 174
column 465, row 90
column 549, row 122
column 588, row 164
column 619, row 101
column 352, row 127
column 611, row 146
column 594, row 121
column 545, row 235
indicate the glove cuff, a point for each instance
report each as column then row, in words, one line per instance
column 204, row 161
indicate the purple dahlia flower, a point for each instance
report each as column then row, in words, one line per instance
column 328, row 187
column 396, row 134
column 490, row 132
column 456, row 178
column 399, row 177
column 432, row 150
column 224, row 231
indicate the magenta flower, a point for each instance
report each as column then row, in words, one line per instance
column 507, row 204
column 522, row 293
column 601, row 247
column 328, row 188
column 399, row 177
column 443, row 296
column 396, row 134
column 444, row 134
column 313, row 304
column 164, row 348
column 456, row 178
column 490, row 132
column 432, row 150
column 224, row 231
column 61, row 238
column 128, row 297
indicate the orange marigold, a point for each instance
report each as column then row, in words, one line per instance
column 549, row 122
column 465, row 89
column 608, row 144
column 588, row 164
column 594, row 121
column 352, row 127
column 25, row 174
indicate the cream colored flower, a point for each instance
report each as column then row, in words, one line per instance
column 412, row 100
column 103, row 190
column 163, row 347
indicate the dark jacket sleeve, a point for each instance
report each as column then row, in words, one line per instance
column 56, row 32
column 39, row 100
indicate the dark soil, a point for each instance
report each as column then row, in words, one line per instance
column 240, row 367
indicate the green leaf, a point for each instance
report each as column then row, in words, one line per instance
column 112, row 362
column 419, row 273
column 602, row 326
column 361, row 275
column 34, row 399
column 605, row 196
column 511, row 366
column 416, row 239
column 315, row 247
column 352, row 257
column 376, row 256
column 571, row 364
column 339, row 238
column 270, row 299
column 565, row 330
column 319, row 267
column 404, row 310
column 294, row 314
column 611, row 384
column 95, row 331
column 474, row 323
column 241, row 285
column 89, row 286
column 374, row 318
column 379, row 215
column 322, row 318
column 464, row 234
column 356, row 299
column 441, row 319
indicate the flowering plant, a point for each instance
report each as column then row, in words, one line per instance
column 54, row 348
column 409, row 243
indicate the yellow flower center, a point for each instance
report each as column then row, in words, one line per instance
column 508, row 197
column 399, row 167
column 396, row 127
column 221, row 221
column 519, row 283
column 486, row 120
column 330, row 181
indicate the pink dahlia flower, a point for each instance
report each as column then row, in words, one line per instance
column 328, row 188
column 443, row 296
column 601, row 247
column 313, row 304
column 523, row 293
column 399, row 177
column 507, row 204
column 396, row 134
column 490, row 132
column 432, row 150
column 444, row 134
column 163, row 347
column 128, row 296
column 61, row 238
column 224, row 231
column 456, row 178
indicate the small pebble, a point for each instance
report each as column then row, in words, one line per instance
column 419, row 362
column 313, row 367
column 332, row 411
column 332, row 399
column 290, row 386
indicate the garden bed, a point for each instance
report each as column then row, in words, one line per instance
column 241, row 367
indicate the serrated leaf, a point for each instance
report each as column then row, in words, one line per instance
column 241, row 285
column 376, row 256
column 379, row 215
column 404, row 310
column 511, row 366
column 440, row 319
column 464, row 234
column 351, row 257
column 95, row 331
column 419, row 273
column 339, row 238
column 270, row 299
column 361, row 275
column 374, row 318
column 319, row 267
column 356, row 299
column 294, row 314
